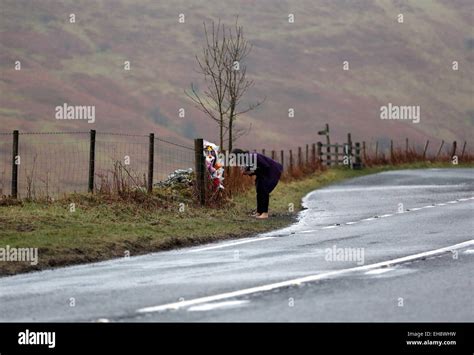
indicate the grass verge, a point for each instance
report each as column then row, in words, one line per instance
column 99, row 230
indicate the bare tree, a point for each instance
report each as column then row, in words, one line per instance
column 238, row 48
column 225, row 74
column 213, row 65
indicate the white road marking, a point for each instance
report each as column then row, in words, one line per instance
column 384, row 188
column 299, row 281
column 469, row 251
column 226, row 245
column 329, row 227
column 309, row 231
column 379, row 271
column 217, row 305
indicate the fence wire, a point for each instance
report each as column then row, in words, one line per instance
column 170, row 157
column 54, row 164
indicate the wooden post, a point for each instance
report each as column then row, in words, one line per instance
column 440, row 147
column 426, row 148
column 349, row 145
column 364, row 152
column 151, row 159
column 92, row 161
column 263, row 151
column 313, row 154
column 463, row 149
column 336, row 156
column 282, row 162
column 453, row 151
column 300, row 158
column 320, row 152
column 273, row 154
column 307, row 154
column 15, row 161
column 291, row 160
column 391, row 151
column 328, row 148
column 200, row 170
column 358, row 163
column 348, row 150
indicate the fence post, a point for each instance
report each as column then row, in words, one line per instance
column 349, row 148
column 320, row 152
column 291, row 160
column 200, row 170
column 453, row 152
column 92, row 161
column 364, row 152
column 300, row 157
column 328, row 151
column 151, row 159
column 463, row 149
column 307, row 154
column 426, row 148
column 14, row 164
column 358, row 163
column 336, row 156
column 282, row 155
column 391, row 151
column 440, row 147
column 349, row 144
column 263, row 151
column 313, row 154
column 273, row 154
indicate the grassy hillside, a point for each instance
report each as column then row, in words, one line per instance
column 295, row 65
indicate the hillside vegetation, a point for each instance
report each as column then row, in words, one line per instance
column 294, row 65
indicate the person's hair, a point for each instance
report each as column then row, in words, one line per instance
column 239, row 151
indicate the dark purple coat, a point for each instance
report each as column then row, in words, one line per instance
column 268, row 173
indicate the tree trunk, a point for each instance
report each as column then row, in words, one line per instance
column 221, row 133
column 231, row 121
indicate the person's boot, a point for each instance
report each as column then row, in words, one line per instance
column 263, row 215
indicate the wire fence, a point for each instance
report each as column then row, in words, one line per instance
column 371, row 152
column 54, row 164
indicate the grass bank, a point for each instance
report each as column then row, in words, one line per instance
column 101, row 229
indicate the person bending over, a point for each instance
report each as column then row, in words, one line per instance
column 267, row 172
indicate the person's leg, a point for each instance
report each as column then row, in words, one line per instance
column 260, row 202
column 263, row 199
